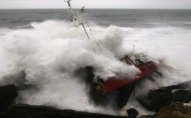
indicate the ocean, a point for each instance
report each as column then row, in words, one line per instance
column 48, row 48
column 120, row 17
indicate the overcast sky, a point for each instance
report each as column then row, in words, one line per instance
column 150, row 4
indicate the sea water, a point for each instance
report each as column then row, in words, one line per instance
column 48, row 49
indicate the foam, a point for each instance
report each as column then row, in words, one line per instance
column 169, row 47
column 50, row 52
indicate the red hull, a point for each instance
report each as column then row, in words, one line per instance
column 115, row 83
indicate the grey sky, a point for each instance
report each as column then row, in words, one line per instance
column 151, row 4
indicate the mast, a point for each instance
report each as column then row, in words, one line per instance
column 76, row 17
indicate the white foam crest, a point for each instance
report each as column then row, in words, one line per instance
column 169, row 47
column 50, row 52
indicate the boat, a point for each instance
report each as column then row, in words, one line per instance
column 114, row 90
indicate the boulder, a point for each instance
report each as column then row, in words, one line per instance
column 175, row 110
column 31, row 111
column 147, row 116
column 182, row 96
column 7, row 96
column 156, row 99
column 132, row 113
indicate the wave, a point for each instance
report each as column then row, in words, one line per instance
column 51, row 51
column 167, row 46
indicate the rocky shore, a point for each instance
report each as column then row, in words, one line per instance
column 167, row 102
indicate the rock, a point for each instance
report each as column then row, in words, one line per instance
column 147, row 116
column 7, row 96
column 182, row 96
column 132, row 113
column 30, row 111
column 156, row 99
column 175, row 110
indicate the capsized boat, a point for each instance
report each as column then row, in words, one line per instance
column 115, row 90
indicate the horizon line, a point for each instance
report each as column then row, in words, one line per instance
column 95, row 8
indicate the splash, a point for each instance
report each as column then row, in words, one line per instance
column 49, row 53
column 169, row 47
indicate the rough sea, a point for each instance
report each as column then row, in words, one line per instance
column 47, row 48
column 122, row 17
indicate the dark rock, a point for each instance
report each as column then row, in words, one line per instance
column 147, row 116
column 156, row 99
column 132, row 113
column 29, row 111
column 7, row 96
column 175, row 110
column 182, row 96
